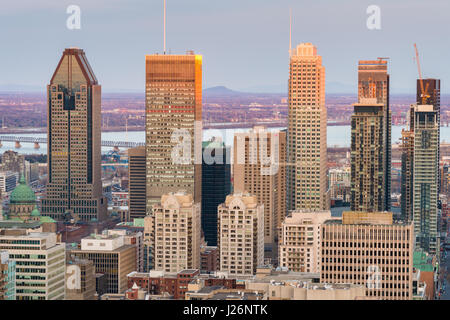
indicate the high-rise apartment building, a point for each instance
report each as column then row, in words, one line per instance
column 368, row 179
column 40, row 263
column 259, row 169
column 431, row 95
column 426, row 177
column 307, row 131
column 173, row 102
column 137, row 182
column 300, row 245
column 368, row 248
column 74, row 185
column 177, row 230
column 240, row 234
column 373, row 82
column 216, row 185
column 407, row 178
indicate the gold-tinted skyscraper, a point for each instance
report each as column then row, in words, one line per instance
column 173, row 109
column 307, row 131
column 74, row 141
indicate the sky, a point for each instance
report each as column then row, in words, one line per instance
column 244, row 43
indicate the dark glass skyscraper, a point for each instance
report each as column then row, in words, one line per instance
column 216, row 185
column 74, row 185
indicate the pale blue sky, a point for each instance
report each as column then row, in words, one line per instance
column 244, row 42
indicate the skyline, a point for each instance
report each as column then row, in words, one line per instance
column 342, row 41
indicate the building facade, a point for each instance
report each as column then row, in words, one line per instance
column 173, row 102
column 259, row 169
column 40, row 264
column 7, row 277
column 373, row 83
column 216, row 185
column 368, row 140
column 240, row 234
column 367, row 248
column 74, row 187
column 300, row 246
column 111, row 257
column 426, row 178
column 307, row 131
column 137, row 182
column 177, row 233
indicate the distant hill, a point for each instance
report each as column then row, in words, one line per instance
column 221, row 91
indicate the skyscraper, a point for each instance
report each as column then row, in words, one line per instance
column 258, row 168
column 431, row 95
column 373, row 82
column 173, row 113
column 307, row 136
column 74, row 141
column 426, row 171
column 368, row 181
column 216, row 185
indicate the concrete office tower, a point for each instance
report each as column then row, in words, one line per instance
column 300, row 246
column 426, row 173
column 373, row 82
column 40, row 264
column 241, row 234
column 74, row 185
column 177, row 229
column 367, row 248
column 216, row 185
column 173, row 105
column 137, row 182
column 111, row 256
column 259, row 169
column 307, row 131
column 368, row 179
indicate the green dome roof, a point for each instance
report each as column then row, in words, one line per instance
column 22, row 194
column 35, row 212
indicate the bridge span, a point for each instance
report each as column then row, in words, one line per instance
column 39, row 140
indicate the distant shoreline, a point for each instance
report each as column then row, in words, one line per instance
column 237, row 125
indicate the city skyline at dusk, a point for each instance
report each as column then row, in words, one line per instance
column 255, row 45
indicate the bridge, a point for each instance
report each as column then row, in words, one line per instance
column 37, row 141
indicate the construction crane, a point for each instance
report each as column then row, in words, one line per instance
column 424, row 91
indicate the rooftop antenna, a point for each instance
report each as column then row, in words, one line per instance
column 290, row 31
column 164, row 26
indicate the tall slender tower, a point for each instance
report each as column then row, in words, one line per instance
column 173, row 125
column 74, row 185
column 367, row 157
column 307, row 136
column 426, row 164
column 373, row 82
column 432, row 88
